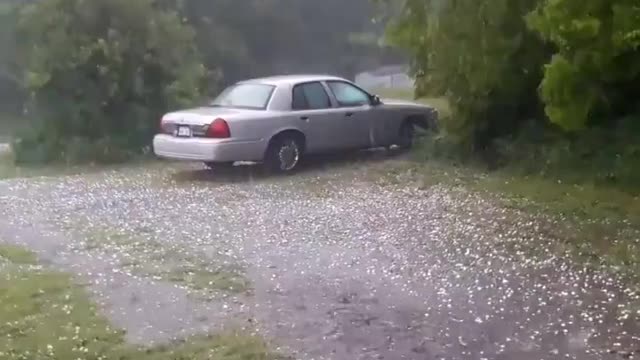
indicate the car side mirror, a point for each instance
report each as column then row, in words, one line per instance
column 375, row 100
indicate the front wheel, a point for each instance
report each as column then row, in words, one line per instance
column 283, row 155
column 406, row 136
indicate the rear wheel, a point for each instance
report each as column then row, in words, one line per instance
column 219, row 165
column 283, row 154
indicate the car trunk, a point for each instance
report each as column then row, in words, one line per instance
column 196, row 119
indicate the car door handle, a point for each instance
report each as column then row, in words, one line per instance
column 349, row 114
column 304, row 118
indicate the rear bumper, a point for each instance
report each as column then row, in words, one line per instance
column 203, row 149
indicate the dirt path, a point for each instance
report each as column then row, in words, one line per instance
column 327, row 264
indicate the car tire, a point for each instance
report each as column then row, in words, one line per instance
column 406, row 136
column 283, row 154
column 219, row 165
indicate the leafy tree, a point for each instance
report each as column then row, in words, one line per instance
column 263, row 37
column 11, row 95
column 595, row 73
column 101, row 73
column 480, row 55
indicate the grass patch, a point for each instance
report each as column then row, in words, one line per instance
column 149, row 257
column 598, row 225
column 594, row 210
column 17, row 255
column 208, row 280
column 581, row 201
column 9, row 169
column 46, row 316
column 7, row 166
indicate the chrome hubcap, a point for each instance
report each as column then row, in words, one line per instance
column 289, row 155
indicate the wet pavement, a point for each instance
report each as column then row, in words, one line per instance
column 336, row 264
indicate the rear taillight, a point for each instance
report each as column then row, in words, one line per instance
column 219, row 129
column 163, row 128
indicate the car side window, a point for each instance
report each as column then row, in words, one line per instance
column 348, row 95
column 310, row 96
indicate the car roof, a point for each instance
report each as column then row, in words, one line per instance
column 291, row 79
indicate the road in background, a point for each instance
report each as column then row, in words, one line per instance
column 388, row 77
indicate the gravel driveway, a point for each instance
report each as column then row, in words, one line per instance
column 327, row 264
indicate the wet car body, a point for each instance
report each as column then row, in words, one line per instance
column 277, row 120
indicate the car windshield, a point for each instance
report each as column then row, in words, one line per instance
column 248, row 96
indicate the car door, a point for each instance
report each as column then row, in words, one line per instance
column 312, row 106
column 363, row 120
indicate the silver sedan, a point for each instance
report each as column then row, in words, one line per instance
column 277, row 120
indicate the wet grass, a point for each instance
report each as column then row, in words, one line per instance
column 9, row 169
column 207, row 280
column 597, row 225
column 46, row 316
column 17, row 255
column 318, row 189
column 7, row 166
column 594, row 223
column 164, row 262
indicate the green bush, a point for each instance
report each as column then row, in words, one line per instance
column 441, row 146
column 601, row 156
column 480, row 56
column 595, row 72
column 101, row 74
column 11, row 93
column 503, row 64
column 40, row 146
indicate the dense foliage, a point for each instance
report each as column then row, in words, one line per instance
column 545, row 85
column 595, row 73
column 262, row 37
column 99, row 73
column 11, row 95
column 489, row 59
column 480, row 55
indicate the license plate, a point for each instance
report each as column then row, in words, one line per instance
column 184, row 131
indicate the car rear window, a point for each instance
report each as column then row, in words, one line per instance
column 247, row 96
